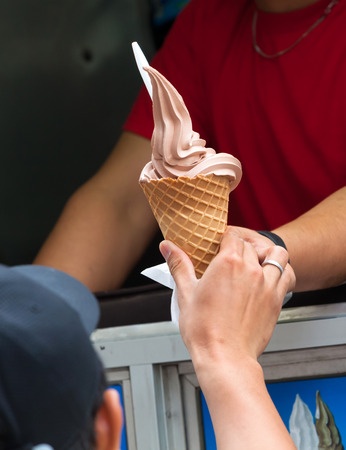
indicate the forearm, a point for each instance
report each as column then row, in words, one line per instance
column 107, row 223
column 97, row 239
column 242, row 412
column 316, row 244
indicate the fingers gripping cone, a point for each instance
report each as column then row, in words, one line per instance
column 192, row 213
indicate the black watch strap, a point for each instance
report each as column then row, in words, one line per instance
column 273, row 237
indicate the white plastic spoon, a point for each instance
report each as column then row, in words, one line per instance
column 141, row 61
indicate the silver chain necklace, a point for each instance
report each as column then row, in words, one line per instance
column 258, row 49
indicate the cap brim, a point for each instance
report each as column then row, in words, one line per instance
column 70, row 290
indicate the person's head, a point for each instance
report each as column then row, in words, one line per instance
column 52, row 383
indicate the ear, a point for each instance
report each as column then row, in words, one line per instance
column 109, row 421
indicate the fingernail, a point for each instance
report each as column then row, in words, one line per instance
column 165, row 249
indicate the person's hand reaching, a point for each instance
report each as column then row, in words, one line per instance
column 236, row 303
column 226, row 320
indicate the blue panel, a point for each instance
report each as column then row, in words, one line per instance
column 332, row 391
column 283, row 394
column 208, row 431
column 119, row 388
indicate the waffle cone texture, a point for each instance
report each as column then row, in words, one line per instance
column 192, row 213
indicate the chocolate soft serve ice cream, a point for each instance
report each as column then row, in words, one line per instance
column 187, row 185
column 177, row 150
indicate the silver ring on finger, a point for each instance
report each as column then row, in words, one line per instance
column 272, row 262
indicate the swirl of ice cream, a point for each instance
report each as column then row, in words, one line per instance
column 327, row 431
column 302, row 428
column 177, row 150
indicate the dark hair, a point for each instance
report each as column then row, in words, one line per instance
column 87, row 436
column 86, row 439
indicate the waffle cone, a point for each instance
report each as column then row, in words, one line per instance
column 192, row 213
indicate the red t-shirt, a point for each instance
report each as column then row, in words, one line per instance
column 284, row 119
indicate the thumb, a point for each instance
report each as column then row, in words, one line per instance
column 179, row 263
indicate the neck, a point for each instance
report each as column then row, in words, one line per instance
column 282, row 6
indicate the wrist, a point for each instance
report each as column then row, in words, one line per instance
column 229, row 377
column 220, row 362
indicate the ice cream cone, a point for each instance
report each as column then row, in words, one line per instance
column 192, row 213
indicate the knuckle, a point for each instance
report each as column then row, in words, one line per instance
column 279, row 253
column 282, row 252
column 231, row 259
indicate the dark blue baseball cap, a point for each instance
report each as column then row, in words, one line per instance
column 49, row 370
